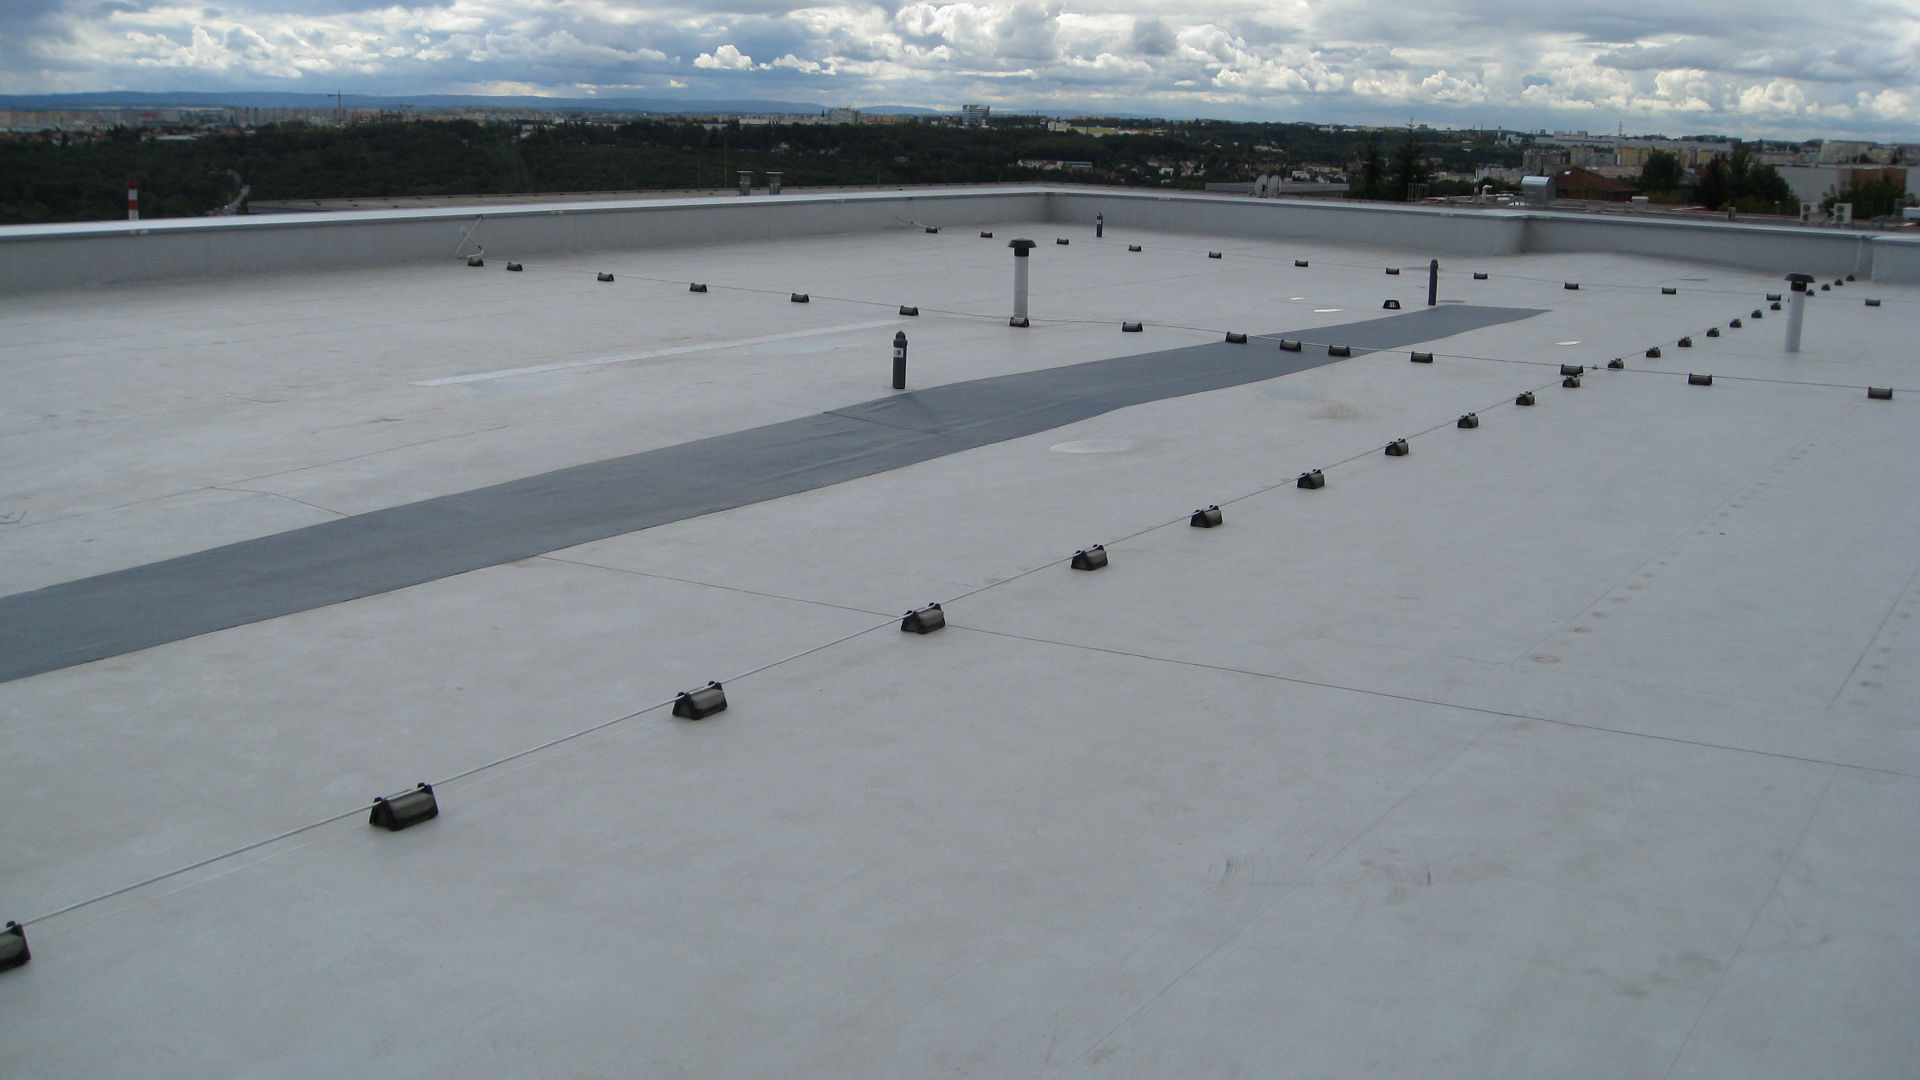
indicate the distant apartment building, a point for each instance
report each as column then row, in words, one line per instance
column 1812, row 183
column 1835, row 151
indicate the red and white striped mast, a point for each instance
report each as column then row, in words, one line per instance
column 133, row 198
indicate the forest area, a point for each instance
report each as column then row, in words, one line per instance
column 78, row 178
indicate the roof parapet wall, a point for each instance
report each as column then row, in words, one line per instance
column 39, row 257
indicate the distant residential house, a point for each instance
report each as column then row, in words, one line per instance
column 1578, row 183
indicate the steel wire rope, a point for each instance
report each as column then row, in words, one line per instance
column 1216, row 330
column 615, row 721
column 453, row 778
column 654, row 706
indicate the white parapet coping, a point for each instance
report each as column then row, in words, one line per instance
column 36, row 257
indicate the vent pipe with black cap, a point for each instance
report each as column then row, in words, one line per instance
column 1020, row 247
column 1796, row 308
column 1099, row 225
column 1433, row 282
column 900, row 360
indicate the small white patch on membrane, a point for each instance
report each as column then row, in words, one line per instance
column 1566, row 343
column 1093, row 446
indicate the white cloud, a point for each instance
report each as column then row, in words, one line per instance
column 794, row 63
column 724, row 58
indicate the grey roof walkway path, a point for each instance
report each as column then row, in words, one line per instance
column 111, row 614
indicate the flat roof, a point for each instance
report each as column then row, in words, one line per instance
column 1577, row 739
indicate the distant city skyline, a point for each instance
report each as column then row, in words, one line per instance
column 1682, row 67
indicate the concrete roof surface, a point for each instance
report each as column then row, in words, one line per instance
column 1581, row 742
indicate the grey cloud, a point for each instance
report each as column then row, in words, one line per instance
column 1027, row 33
column 1152, row 37
column 1812, row 64
column 14, row 12
column 1370, row 57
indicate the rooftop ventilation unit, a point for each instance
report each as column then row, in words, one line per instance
column 1206, row 519
column 924, row 620
column 1873, row 303
column 1734, row 324
column 604, row 276
column 702, row 703
column 1478, row 276
column 1339, row 350
column 1092, row 558
column 1235, row 337
column 1398, row 448
column 1421, row 357
column 1571, row 286
column 1537, row 190
column 1131, row 328
column 1213, row 254
column 1685, row 343
column 475, row 260
column 1391, row 305
column 910, row 310
column 1572, row 369
column 1393, row 271
column 405, row 810
column 1699, row 380
column 1468, row 421
column 1133, row 247
column 800, row 298
column 1653, row 353
column 697, row 287
column 933, row 228
column 1616, row 364
column 1713, row 331
column 986, row 236
column 1571, row 382
column 1289, row 345
column 1299, row 262
column 1880, row 393
column 1526, row 398
column 1311, row 480
column 1061, row 240
column 1667, row 290
column 514, row 267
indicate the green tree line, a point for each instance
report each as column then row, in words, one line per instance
column 76, row 178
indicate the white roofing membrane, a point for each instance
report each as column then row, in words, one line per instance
column 1579, row 743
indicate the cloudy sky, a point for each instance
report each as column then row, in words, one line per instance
column 1676, row 66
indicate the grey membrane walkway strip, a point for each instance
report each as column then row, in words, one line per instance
column 111, row 614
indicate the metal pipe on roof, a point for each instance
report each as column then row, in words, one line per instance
column 1796, row 308
column 1021, row 249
